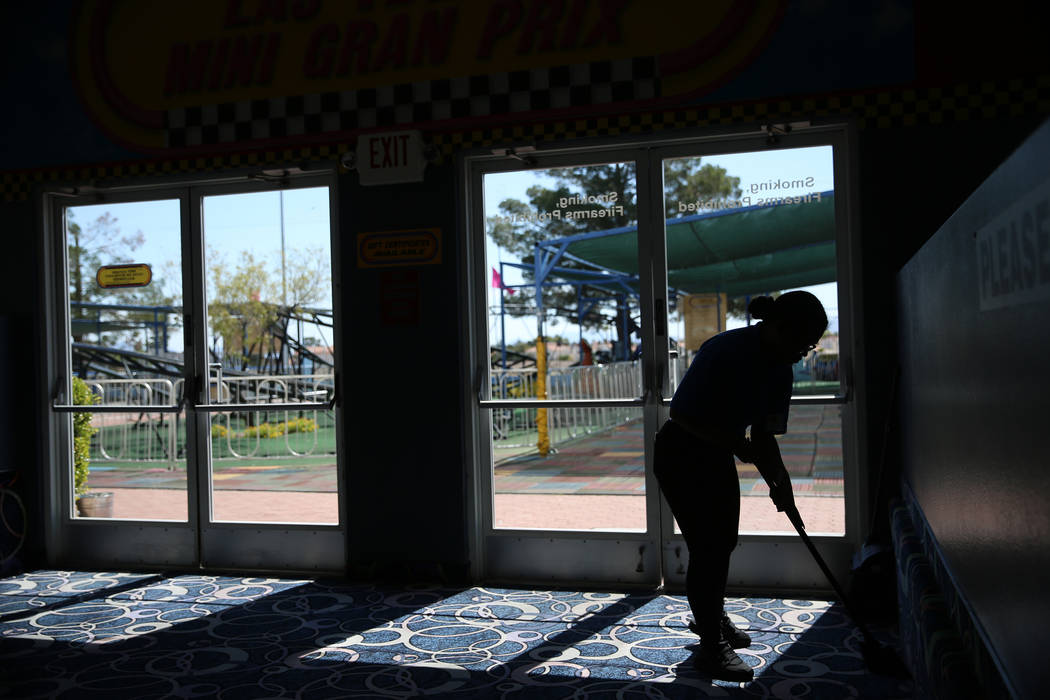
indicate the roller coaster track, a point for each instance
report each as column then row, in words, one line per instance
column 106, row 361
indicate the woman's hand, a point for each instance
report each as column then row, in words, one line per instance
column 782, row 494
column 766, row 453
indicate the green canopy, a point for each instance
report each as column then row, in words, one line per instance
column 738, row 251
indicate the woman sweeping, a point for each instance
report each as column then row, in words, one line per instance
column 740, row 378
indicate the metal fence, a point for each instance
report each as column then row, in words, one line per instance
column 143, row 436
column 135, row 435
column 250, row 433
column 516, row 427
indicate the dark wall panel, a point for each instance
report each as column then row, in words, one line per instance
column 911, row 179
column 402, row 389
column 21, row 315
column 974, row 405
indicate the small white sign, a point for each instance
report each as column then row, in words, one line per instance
column 390, row 157
column 1013, row 252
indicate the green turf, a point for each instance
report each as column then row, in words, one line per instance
column 148, row 439
column 230, row 462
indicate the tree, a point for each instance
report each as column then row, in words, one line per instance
column 99, row 243
column 520, row 225
column 687, row 181
column 236, row 313
column 249, row 303
column 90, row 248
column 307, row 278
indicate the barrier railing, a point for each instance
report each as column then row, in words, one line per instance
column 516, row 427
column 249, row 433
column 144, row 436
column 137, row 435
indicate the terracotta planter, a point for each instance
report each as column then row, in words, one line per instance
column 97, row 504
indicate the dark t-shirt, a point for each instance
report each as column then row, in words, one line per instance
column 730, row 384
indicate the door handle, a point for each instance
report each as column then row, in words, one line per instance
column 217, row 366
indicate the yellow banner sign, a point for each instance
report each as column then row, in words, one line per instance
column 134, row 61
column 398, row 248
column 132, row 275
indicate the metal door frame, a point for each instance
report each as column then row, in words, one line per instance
column 780, row 562
column 195, row 543
column 763, row 562
column 624, row 557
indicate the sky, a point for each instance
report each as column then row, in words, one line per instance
column 754, row 169
column 252, row 222
column 232, row 224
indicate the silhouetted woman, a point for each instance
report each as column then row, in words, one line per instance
column 738, row 379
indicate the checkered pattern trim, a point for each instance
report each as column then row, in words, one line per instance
column 478, row 96
column 885, row 109
column 873, row 110
column 18, row 186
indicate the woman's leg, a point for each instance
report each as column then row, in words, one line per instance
column 701, row 485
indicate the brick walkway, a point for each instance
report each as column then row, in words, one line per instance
column 593, row 483
column 821, row 514
column 570, row 512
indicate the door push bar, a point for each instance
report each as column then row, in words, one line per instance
column 204, row 408
column 120, row 408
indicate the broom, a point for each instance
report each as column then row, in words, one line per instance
column 877, row 656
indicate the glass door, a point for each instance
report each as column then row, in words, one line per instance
column 270, row 474
column 746, row 218
column 194, row 418
column 124, row 437
column 598, row 274
column 562, row 397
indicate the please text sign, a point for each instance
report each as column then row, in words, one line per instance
column 1013, row 252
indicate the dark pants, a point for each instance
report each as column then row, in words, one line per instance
column 700, row 483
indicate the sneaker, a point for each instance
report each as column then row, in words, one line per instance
column 737, row 638
column 721, row 662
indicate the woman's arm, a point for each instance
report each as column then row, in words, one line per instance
column 770, row 464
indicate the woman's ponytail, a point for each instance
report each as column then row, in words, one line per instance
column 761, row 308
column 799, row 308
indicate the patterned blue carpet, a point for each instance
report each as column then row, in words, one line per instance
column 111, row 635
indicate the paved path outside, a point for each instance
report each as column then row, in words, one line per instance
column 571, row 512
column 821, row 514
column 594, row 483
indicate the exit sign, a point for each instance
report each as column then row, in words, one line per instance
column 393, row 156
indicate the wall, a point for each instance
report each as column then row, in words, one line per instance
column 911, row 179
column 974, row 406
column 407, row 512
column 939, row 98
column 20, row 394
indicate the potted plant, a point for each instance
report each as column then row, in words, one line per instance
column 94, row 504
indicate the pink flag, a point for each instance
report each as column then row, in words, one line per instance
column 497, row 281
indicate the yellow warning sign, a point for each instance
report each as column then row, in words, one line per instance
column 421, row 246
column 133, row 275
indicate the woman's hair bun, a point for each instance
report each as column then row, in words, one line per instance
column 761, row 308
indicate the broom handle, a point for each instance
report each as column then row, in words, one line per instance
column 796, row 521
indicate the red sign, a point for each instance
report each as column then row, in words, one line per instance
column 390, row 157
column 399, row 297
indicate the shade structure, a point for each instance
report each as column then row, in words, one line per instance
column 750, row 250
